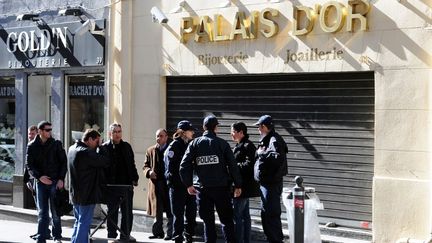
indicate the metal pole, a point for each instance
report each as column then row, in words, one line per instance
column 299, row 200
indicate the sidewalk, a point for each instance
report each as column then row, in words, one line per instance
column 19, row 232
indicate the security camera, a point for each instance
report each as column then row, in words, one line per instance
column 158, row 16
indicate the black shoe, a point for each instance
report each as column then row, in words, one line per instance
column 168, row 237
column 156, row 236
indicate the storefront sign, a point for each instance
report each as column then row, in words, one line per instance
column 47, row 46
column 332, row 16
column 7, row 91
column 313, row 54
column 209, row 60
column 80, row 90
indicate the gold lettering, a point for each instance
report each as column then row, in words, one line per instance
column 339, row 17
column 186, row 27
column 204, row 29
column 272, row 25
column 239, row 26
column 310, row 20
column 361, row 15
column 253, row 26
column 217, row 28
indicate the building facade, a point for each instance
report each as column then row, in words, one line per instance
column 347, row 83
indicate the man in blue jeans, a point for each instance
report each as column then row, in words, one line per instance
column 269, row 170
column 86, row 161
column 46, row 162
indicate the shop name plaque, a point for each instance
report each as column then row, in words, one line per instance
column 330, row 17
column 48, row 46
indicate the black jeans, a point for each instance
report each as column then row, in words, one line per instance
column 183, row 204
column 126, row 207
column 219, row 197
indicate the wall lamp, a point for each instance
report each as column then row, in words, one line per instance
column 27, row 16
column 78, row 11
column 89, row 25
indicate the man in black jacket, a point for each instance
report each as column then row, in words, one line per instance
column 122, row 171
column 207, row 169
column 87, row 181
column 46, row 162
column 269, row 170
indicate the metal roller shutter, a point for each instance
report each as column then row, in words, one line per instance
column 327, row 120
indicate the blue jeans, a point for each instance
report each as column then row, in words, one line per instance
column 45, row 202
column 242, row 220
column 83, row 218
column 271, row 212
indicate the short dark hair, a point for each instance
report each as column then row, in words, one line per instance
column 42, row 124
column 240, row 126
column 90, row 133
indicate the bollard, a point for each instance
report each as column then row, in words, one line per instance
column 299, row 202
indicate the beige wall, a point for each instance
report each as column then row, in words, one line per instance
column 397, row 48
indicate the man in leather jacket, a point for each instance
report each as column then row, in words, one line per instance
column 122, row 171
column 87, row 181
column 46, row 162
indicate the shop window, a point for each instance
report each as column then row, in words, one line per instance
column 7, row 130
column 85, row 105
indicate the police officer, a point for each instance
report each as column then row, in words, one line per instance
column 179, row 197
column 208, row 169
column 269, row 170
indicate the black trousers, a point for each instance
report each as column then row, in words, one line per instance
column 220, row 198
column 183, row 204
column 162, row 205
column 126, row 207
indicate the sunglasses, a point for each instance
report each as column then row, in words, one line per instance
column 47, row 130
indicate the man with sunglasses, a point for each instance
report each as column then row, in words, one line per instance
column 46, row 161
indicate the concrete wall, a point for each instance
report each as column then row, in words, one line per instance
column 397, row 48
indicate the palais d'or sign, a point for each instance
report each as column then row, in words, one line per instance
column 330, row 17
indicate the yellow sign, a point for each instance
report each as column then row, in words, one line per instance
column 332, row 17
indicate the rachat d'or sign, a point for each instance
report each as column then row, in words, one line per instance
column 264, row 22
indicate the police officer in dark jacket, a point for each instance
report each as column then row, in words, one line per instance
column 207, row 169
column 270, row 168
column 244, row 154
column 122, row 171
column 182, row 204
column 46, row 162
column 86, row 161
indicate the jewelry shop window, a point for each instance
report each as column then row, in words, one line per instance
column 85, row 105
column 7, row 130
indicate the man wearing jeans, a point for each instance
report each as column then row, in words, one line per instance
column 86, row 162
column 46, row 162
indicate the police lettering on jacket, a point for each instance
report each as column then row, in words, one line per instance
column 207, row 160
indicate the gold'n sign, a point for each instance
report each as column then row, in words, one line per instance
column 204, row 29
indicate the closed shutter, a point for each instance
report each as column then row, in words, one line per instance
column 327, row 120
